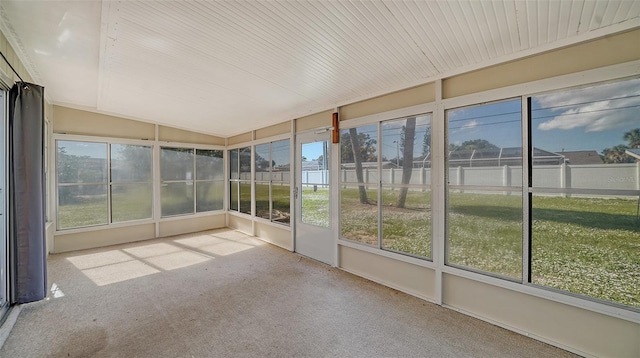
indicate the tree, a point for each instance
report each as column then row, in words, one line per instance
column 365, row 142
column 357, row 160
column 616, row 155
column 476, row 144
column 132, row 161
column 175, row 163
column 426, row 142
column 403, row 133
column 633, row 138
column 245, row 159
column 408, row 134
column 68, row 166
column 262, row 164
column 358, row 148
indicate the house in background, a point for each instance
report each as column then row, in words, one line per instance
column 156, row 113
column 635, row 153
column 581, row 157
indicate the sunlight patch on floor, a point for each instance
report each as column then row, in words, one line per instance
column 152, row 250
column 215, row 245
column 119, row 272
column 99, row 259
column 177, row 260
column 56, row 292
column 104, row 268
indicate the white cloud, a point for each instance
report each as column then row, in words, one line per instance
column 590, row 94
column 596, row 108
column 470, row 125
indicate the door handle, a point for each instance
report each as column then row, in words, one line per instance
column 295, row 192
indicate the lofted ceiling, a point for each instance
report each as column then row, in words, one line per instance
column 226, row 67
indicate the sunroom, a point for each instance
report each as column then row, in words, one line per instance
column 419, row 145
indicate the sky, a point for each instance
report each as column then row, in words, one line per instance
column 312, row 151
column 93, row 150
column 499, row 123
column 590, row 118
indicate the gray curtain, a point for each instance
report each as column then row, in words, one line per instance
column 26, row 187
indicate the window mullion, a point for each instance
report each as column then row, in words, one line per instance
column 195, row 181
column 109, row 191
column 379, row 185
column 526, row 184
column 270, row 181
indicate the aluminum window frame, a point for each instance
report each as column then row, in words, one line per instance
column 155, row 144
column 378, row 119
column 484, row 188
column 532, row 189
column 106, row 183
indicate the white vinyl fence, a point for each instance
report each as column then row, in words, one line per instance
column 564, row 176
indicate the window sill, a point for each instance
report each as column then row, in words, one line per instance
column 59, row 232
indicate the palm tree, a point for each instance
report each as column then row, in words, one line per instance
column 616, row 155
column 409, row 132
column 357, row 160
column 633, row 138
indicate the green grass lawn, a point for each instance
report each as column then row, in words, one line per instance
column 581, row 245
column 485, row 232
column 84, row 211
column 405, row 229
column 315, row 206
column 280, row 195
column 134, row 202
column 588, row 246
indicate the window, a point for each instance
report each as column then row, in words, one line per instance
column 585, row 231
column 272, row 171
column 280, row 182
column 82, row 184
column 103, row 183
column 240, row 180
column 234, row 176
column 97, row 189
column 192, row 180
column 131, row 182
column 314, row 183
column 484, row 161
column 386, row 202
column 359, row 184
column 177, row 175
column 263, row 180
column 209, row 180
column 406, row 195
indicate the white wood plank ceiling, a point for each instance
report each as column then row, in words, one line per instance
column 226, row 67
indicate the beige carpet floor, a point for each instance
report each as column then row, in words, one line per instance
column 223, row 294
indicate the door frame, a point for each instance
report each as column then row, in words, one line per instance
column 333, row 191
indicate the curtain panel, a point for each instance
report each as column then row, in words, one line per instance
column 27, row 238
